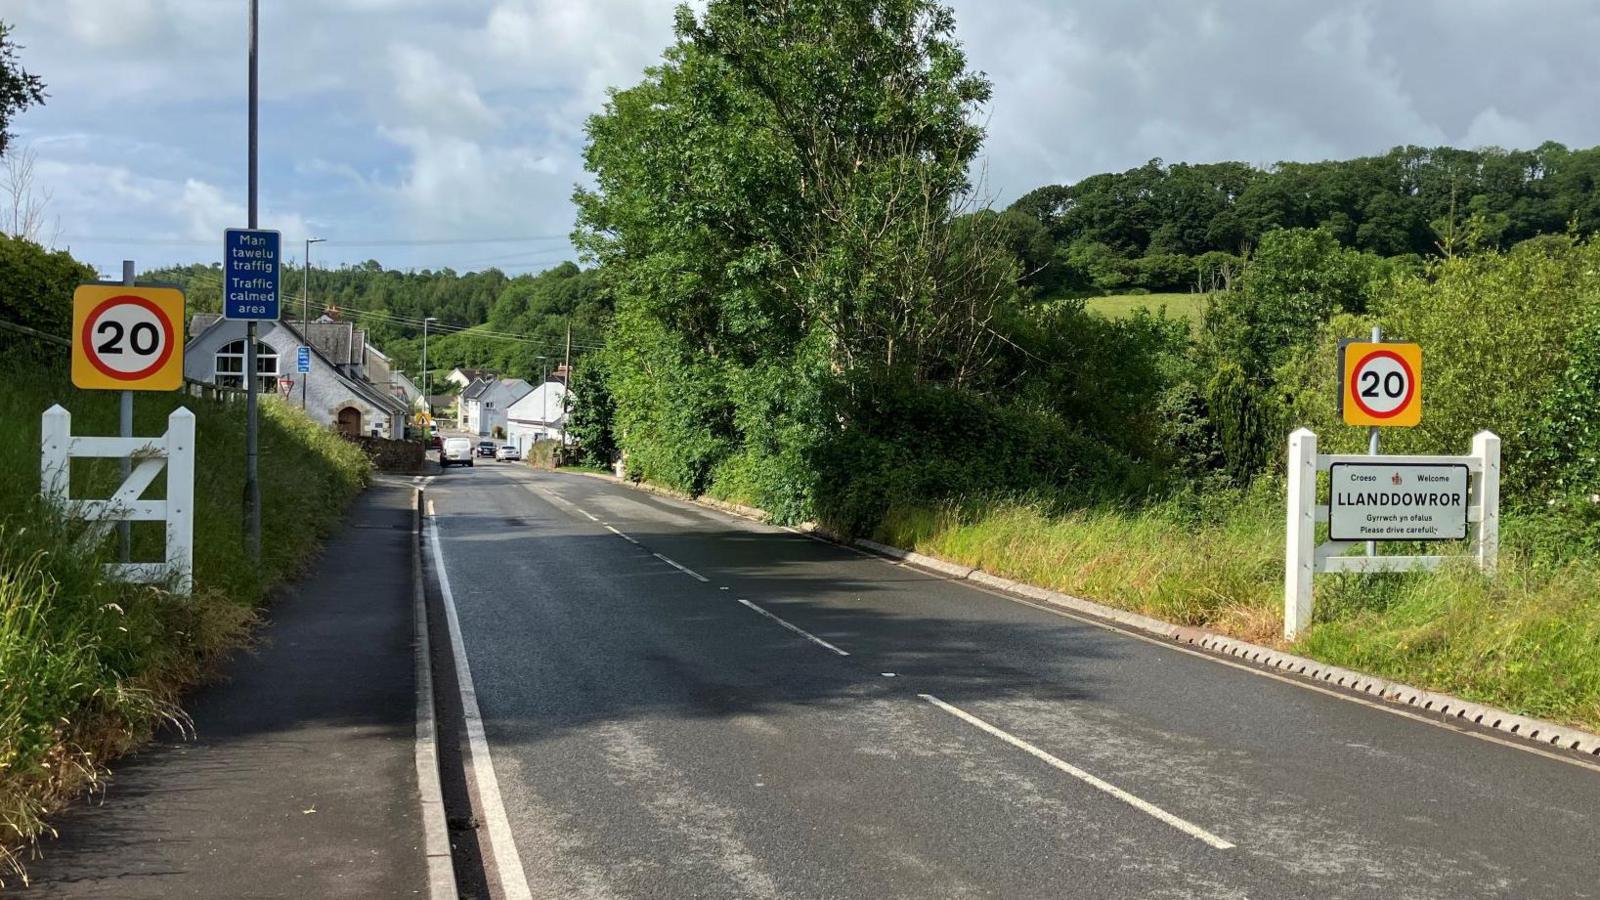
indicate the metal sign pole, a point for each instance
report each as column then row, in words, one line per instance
column 124, row 529
column 252, row 489
column 1372, row 437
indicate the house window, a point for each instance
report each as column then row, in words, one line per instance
column 230, row 367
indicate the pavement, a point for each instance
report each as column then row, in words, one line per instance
column 300, row 780
column 679, row 703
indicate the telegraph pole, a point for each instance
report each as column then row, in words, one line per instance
column 566, row 381
column 252, row 489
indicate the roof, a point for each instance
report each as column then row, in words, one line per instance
column 541, row 405
column 473, row 374
column 334, row 340
column 506, row 391
column 475, row 390
column 201, row 321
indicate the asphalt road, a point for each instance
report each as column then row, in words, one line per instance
column 658, row 731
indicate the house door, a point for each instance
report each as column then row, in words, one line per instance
column 349, row 423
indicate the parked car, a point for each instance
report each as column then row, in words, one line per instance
column 456, row 452
column 486, row 449
column 508, row 453
column 436, row 443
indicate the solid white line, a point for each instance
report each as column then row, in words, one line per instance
column 435, row 830
column 679, row 566
column 507, row 863
column 621, row 535
column 794, row 628
column 1143, row 806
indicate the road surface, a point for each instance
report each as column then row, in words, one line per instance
column 679, row 703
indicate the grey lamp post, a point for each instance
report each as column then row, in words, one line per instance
column 305, row 310
column 427, row 404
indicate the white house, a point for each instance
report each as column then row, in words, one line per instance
column 335, row 391
column 539, row 415
column 484, row 404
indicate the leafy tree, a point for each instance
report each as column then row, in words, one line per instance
column 774, row 209
column 18, row 89
column 593, row 411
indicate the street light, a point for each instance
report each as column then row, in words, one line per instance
column 305, row 310
column 427, row 404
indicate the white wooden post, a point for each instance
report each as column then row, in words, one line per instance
column 55, row 460
column 175, row 450
column 1299, row 555
column 1486, row 447
column 180, row 499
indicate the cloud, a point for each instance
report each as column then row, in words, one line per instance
column 387, row 120
column 1088, row 87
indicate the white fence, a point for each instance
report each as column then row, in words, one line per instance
column 173, row 451
column 1304, row 557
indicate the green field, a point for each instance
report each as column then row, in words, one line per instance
column 1189, row 307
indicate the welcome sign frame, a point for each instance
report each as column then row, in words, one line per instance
column 1304, row 558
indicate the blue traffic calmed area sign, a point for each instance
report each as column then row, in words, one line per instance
column 252, row 270
column 302, row 359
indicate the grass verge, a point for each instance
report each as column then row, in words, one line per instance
column 1527, row 640
column 88, row 668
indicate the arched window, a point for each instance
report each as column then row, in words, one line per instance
column 230, row 367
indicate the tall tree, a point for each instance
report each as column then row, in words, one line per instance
column 18, row 89
column 774, row 208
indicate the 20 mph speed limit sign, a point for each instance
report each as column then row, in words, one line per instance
column 1380, row 383
column 127, row 338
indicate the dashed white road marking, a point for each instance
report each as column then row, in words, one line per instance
column 1143, row 806
column 794, row 628
column 679, row 566
column 621, row 535
column 507, row 863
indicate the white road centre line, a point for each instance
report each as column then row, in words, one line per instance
column 680, row 567
column 1143, row 806
column 794, row 628
column 621, row 535
column 507, row 863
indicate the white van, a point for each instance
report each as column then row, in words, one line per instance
column 457, row 452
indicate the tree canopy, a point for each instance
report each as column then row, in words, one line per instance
column 18, row 89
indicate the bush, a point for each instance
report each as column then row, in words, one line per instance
column 36, row 292
column 1510, row 344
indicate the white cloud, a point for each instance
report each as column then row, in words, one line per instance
column 436, row 96
column 394, row 119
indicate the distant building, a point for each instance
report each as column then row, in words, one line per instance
column 540, row 415
column 465, row 377
column 335, row 392
column 485, row 402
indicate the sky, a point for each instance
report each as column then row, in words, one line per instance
column 434, row 133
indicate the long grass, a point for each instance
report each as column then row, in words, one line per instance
column 1527, row 639
column 88, row 668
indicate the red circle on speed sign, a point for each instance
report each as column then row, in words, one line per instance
column 130, row 330
column 1372, row 384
